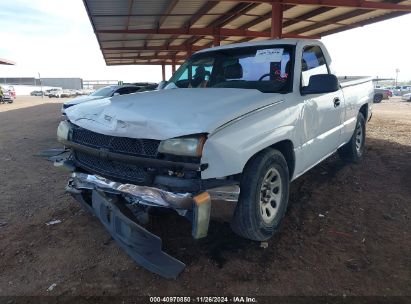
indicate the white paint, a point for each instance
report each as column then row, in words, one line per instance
column 240, row 122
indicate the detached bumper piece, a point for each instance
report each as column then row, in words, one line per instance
column 108, row 203
column 142, row 246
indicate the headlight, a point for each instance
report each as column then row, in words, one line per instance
column 183, row 146
column 63, row 131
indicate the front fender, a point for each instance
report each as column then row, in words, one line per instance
column 228, row 150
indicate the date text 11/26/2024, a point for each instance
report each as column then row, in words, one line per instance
column 238, row 299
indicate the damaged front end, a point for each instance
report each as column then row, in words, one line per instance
column 120, row 179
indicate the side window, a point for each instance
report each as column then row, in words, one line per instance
column 312, row 63
column 196, row 75
column 123, row 91
column 133, row 90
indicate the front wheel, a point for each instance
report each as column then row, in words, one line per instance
column 354, row 149
column 263, row 196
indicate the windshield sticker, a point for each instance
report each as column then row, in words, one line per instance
column 269, row 55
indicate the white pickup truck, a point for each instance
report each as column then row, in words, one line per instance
column 234, row 123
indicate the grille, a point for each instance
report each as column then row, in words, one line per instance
column 125, row 145
column 111, row 169
column 116, row 170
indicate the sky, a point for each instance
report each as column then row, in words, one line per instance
column 55, row 38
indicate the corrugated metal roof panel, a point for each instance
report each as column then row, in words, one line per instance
column 298, row 10
column 123, row 15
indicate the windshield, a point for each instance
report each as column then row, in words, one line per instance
column 106, row 92
column 264, row 68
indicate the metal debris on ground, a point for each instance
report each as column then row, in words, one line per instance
column 51, row 287
column 264, row 245
column 53, row 222
column 321, row 215
column 50, row 152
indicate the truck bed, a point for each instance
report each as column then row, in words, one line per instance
column 346, row 81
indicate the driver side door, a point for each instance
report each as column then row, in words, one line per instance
column 321, row 114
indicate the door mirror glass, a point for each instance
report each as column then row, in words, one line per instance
column 320, row 84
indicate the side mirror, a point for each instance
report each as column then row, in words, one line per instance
column 116, row 94
column 162, row 85
column 320, row 84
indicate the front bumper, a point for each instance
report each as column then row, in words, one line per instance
column 149, row 196
column 109, row 201
column 141, row 245
column 140, row 194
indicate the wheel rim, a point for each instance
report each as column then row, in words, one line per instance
column 358, row 138
column 270, row 195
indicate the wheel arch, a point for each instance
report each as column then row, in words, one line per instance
column 286, row 148
column 364, row 111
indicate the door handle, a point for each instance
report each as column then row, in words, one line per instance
column 337, row 102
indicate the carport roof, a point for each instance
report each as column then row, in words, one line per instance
column 166, row 31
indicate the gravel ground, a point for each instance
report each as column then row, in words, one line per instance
column 360, row 246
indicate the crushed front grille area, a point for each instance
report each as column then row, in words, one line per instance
column 113, row 169
column 125, row 145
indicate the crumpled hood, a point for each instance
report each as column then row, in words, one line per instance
column 81, row 99
column 167, row 113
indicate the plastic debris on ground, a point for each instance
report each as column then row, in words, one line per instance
column 53, row 222
column 51, row 287
column 264, row 245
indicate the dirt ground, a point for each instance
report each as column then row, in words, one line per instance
column 347, row 230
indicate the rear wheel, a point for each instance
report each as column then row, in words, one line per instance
column 354, row 149
column 263, row 197
column 378, row 98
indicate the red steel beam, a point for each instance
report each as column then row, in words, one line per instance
column 334, row 20
column 169, row 15
column 141, row 57
column 359, row 4
column 163, row 18
column 363, row 23
column 308, row 15
column 194, row 18
column 216, row 40
column 262, row 18
column 276, row 21
column 163, row 71
column 138, row 63
column 173, row 65
column 190, row 31
column 229, row 16
column 175, row 48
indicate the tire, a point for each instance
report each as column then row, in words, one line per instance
column 254, row 217
column 354, row 149
column 378, row 98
